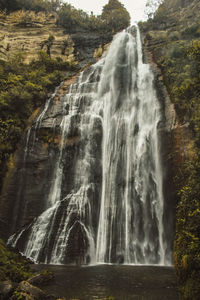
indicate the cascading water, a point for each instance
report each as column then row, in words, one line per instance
column 108, row 207
column 130, row 226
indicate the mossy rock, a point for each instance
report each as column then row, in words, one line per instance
column 14, row 267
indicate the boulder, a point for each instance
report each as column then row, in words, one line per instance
column 6, row 289
column 22, row 295
column 31, row 291
column 40, row 279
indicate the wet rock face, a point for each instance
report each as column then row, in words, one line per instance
column 77, row 246
column 166, row 138
column 167, row 130
column 85, row 44
column 176, row 143
column 29, row 183
column 63, row 144
column 170, row 27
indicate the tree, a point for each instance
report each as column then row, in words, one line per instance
column 36, row 5
column 9, row 5
column 55, row 4
column 151, row 7
column 66, row 17
column 48, row 43
column 115, row 15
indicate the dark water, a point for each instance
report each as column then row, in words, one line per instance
column 119, row 282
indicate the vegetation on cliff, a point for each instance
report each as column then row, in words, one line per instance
column 114, row 16
column 18, row 280
column 176, row 49
column 25, row 85
column 23, row 88
column 36, row 5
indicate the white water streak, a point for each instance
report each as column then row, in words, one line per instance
column 130, row 148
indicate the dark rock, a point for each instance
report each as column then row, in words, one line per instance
column 6, row 289
column 31, row 292
column 86, row 42
column 22, row 296
column 40, row 279
column 3, row 229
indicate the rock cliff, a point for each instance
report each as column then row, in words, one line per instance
column 171, row 40
column 172, row 29
column 30, row 32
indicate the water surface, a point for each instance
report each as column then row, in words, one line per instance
column 120, row 282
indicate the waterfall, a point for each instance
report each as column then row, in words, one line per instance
column 130, row 227
column 105, row 203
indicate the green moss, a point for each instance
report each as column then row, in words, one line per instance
column 23, row 88
column 45, row 136
column 187, row 242
column 12, row 265
column 17, row 296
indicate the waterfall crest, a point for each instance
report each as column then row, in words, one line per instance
column 105, row 205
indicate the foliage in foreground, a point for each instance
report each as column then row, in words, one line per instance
column 12, row 265
column 187, row 243
column 23, row 88
column 182, row 76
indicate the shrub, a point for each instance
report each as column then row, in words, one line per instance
column 13, row 266
column 24, row 88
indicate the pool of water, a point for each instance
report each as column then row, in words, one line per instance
column 119, row 282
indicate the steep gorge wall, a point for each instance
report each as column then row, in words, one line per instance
column 33, row 173
column 171, row 38
column 167, row 131
column 162, row 38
